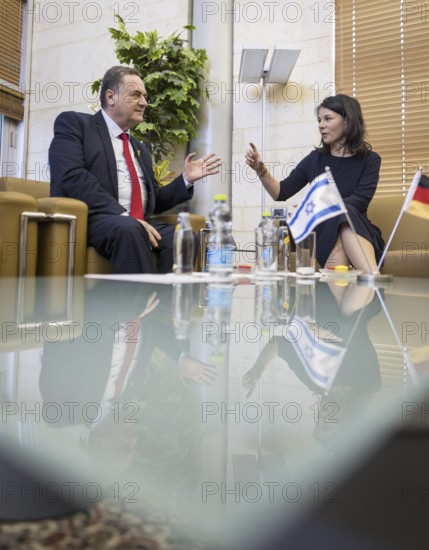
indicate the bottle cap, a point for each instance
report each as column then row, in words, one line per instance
column 220, row 197
column 279, row 212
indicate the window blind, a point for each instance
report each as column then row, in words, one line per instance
column 381, row 59
column 11, row 99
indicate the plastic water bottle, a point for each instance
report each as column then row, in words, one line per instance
column 284, row 246
column 266, row 236
column 218, row 316
column 204, row 241
column 284, row 308
column 181, row 306
column 266, row 298
column 183, row 245
column 220, row 247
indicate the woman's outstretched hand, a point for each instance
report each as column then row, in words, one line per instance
column 253, row 158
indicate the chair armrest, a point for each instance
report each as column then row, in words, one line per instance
column 54, row 237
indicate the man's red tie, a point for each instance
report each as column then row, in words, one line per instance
column 136, row 210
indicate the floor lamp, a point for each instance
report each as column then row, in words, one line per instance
column 254, row 69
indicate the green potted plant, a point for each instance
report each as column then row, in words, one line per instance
column 173, row 73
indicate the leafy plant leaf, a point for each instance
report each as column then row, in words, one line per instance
column 173, row 73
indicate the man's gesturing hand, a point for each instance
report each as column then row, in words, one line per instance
column 205, row 166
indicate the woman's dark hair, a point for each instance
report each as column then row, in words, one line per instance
column 113, row 79
column 355, row 131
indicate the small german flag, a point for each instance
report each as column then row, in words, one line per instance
column 419, row 205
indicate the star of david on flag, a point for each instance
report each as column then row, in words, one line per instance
column 322, row 201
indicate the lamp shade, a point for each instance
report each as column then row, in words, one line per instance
column 282, row 64
column 252, row 64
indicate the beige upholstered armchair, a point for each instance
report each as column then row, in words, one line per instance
column 61, row 242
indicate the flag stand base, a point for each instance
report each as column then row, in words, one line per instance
column 375, row 278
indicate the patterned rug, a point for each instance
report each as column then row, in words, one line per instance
column 107, row 526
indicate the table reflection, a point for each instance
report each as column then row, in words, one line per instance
column 182, row 395
column 129, row 377
column 327, row 346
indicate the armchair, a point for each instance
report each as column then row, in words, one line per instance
column 52, row 240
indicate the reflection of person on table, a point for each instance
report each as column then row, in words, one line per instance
column 355, row 168
column 349, row 309
column 194, row 370
column 90, row 160
column 84, row 371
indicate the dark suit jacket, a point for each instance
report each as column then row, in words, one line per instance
column 82, row 164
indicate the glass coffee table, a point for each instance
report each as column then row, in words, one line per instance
column 243, row 411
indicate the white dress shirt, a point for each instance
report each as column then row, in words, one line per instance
column 124, row 180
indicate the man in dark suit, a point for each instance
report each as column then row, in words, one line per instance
column 90, row 160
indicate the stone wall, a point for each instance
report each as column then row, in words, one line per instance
column 72, row 47
column 291, row 129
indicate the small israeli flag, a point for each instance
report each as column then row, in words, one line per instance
column 322, row 201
